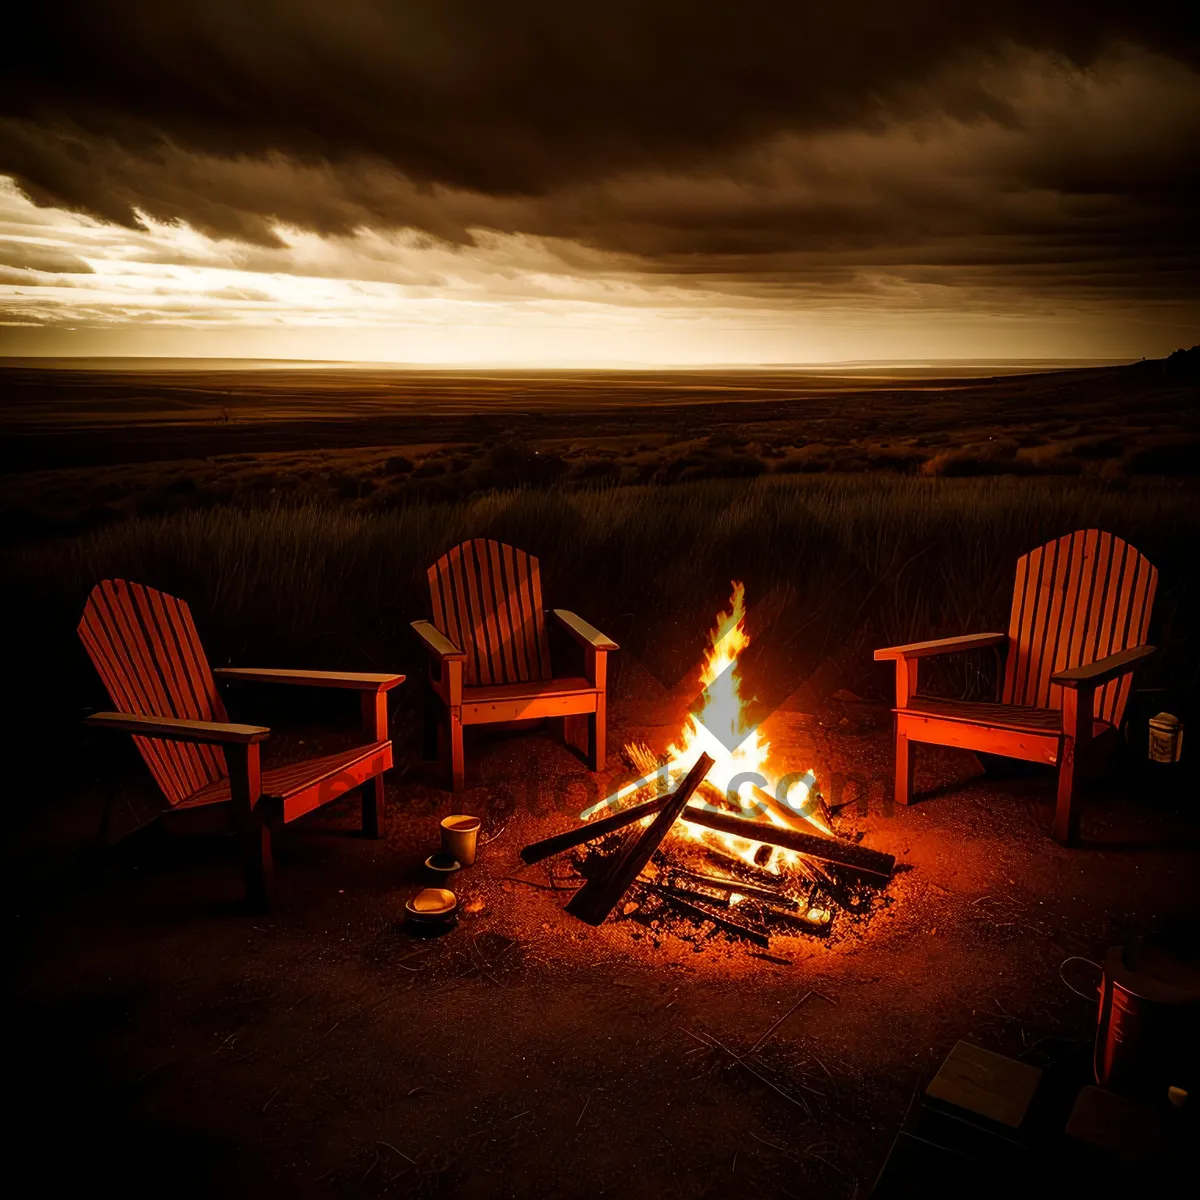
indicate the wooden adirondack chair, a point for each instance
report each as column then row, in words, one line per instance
column 490, row 657
column 145, row 647
column 1080, row 616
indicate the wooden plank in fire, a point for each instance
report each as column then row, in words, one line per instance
column 599, row 896
column 718, row 919
column 872, row 865
column 812, row 918
column 791, row 817
column 536, row 851
column 691, row 891
column 770, row 901
column 779, row 899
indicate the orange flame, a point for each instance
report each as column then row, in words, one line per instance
column 720, row 721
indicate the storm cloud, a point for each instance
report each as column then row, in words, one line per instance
column 1015, row 147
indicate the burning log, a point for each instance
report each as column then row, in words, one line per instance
column 823, row 809
column 536, row 851
column 750, row 890
column 872, row 865
column 795, row 818
column 772, row 903
column 705, row 895
column 816, row 873
column 792, row 818
column 718, row 800
column 718, row 919
column 599, row 896
column 725, row 859
column 670, row 877
column 811, row 917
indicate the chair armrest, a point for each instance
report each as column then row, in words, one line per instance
column 176, row 729
column 436, row 642
column 359, row 681
column 1103, row 670
column 582, row 632
column 950, row 645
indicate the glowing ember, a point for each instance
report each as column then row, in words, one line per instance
column 720, row 721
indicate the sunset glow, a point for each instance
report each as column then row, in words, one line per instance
column 939, row 233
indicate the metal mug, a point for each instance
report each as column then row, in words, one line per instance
column 460, row 834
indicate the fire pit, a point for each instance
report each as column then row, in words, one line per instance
column 714, row 829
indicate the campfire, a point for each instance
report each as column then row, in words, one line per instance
column 715, row 828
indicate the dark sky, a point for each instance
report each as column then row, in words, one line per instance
column 1019, row 158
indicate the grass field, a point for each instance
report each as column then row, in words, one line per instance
column 833, row 566
column 82, row 448
column 297, row 510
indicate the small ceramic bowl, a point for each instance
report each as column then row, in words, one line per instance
column 443, row 864
column 432, row 907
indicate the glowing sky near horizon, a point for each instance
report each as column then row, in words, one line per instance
column 176, row 182
column 74, row 285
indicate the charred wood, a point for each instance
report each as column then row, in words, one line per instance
column 719, row 919
column 872, row 865
column 600, row 895
column 536, row 851
column 752, row 890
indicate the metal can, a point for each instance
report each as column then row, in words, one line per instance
column 1147, row 1020
column 1166, row 738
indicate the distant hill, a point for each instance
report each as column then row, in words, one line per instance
column 1183, row 364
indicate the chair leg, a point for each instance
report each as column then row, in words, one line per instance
column 431, row 717
column 112, row 785
column 1065, row 829
column 374, row 806
column 250, row 821
column 455, row 748
column 904, row 768
column 257, row 864
column 597, row 725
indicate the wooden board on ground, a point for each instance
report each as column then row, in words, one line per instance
column 986, row 1084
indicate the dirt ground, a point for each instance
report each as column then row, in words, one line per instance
column 159, row 1037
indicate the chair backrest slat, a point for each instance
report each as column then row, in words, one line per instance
column 1025, row 649
column 442, row 594
column 1077, row 599
column 503, row 610
column 469, row 615
column 1089, row 599
column 478, row 567
column 144, row 645
column 525, row 658
column 1136, row 631
column 487, row 598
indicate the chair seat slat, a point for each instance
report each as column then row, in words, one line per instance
column 281, row 782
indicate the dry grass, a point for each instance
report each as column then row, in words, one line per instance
column 833, row 565
column 80, row 449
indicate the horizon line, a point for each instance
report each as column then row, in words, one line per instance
column 201, row 362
